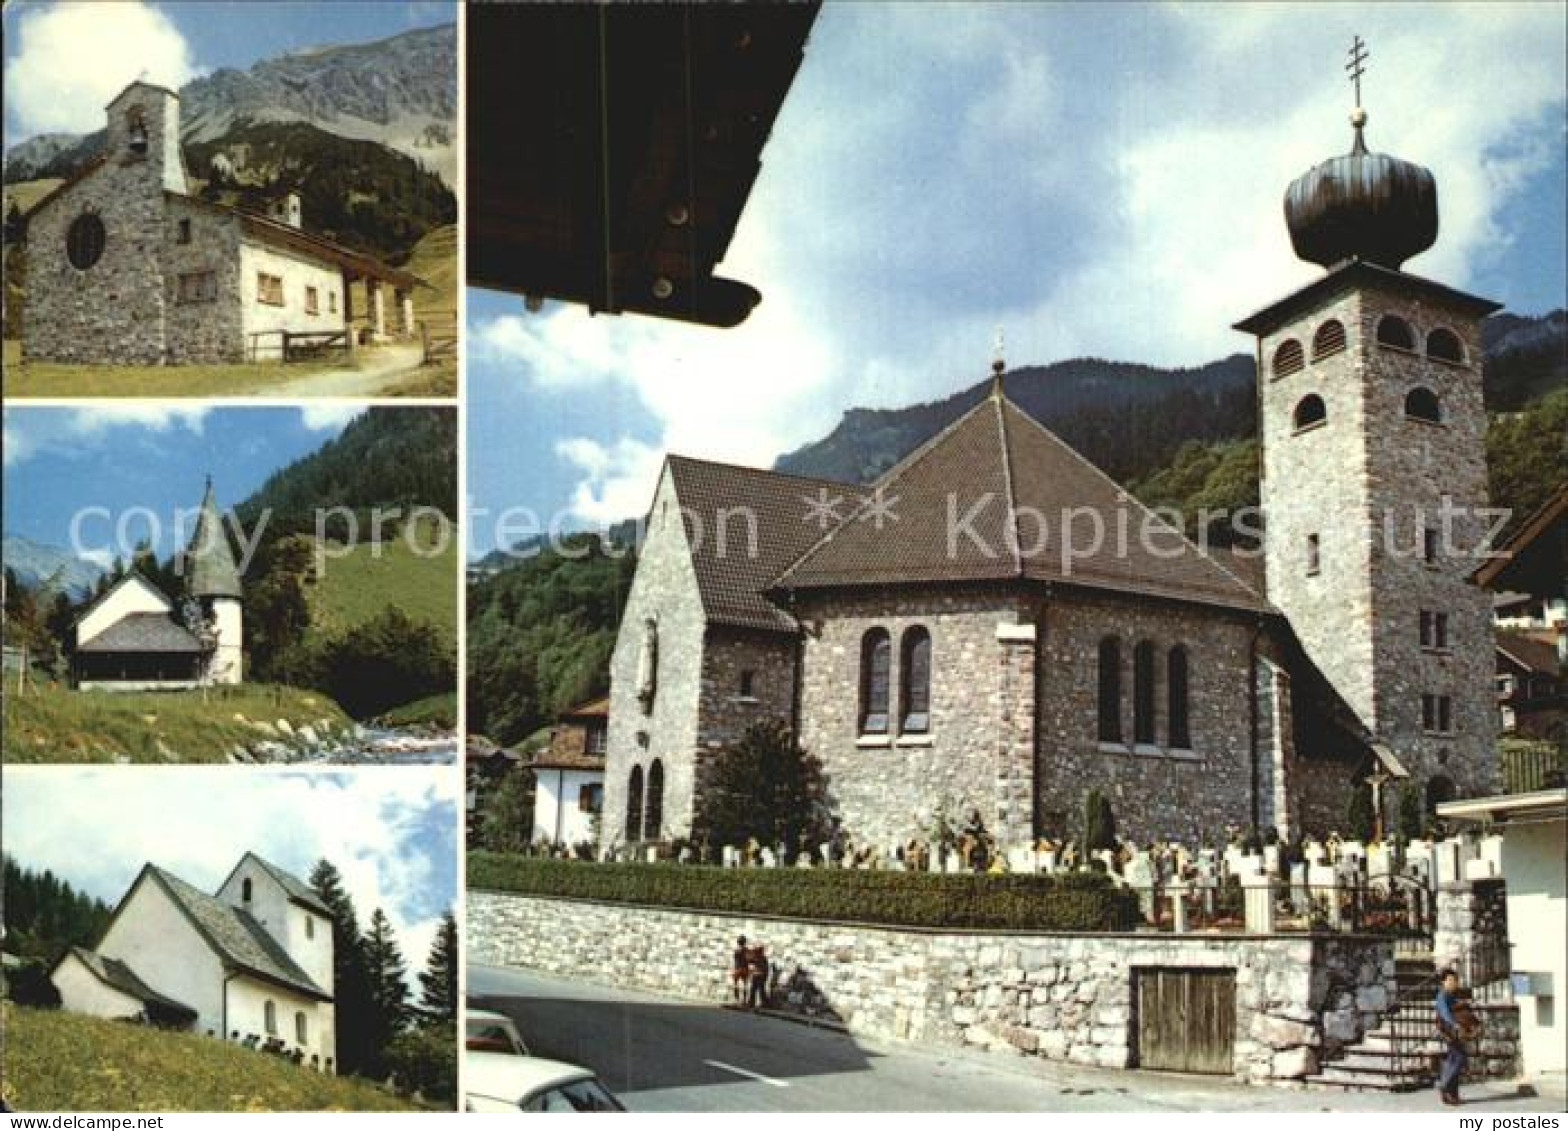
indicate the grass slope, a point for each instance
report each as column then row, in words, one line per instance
column 65, row 1062
column 52, row 723
column 28, row 193
column 356, row 587
column 56, row 379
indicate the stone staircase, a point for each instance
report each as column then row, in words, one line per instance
column 1382, row 1062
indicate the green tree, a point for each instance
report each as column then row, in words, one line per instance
column 425, row 1061
column 506, row 812
column 1409, row 813
column 438, row 980
column 388, row 978
column 1360, row 818
column 767, row 787
column 1099, row 823
column 351, row 979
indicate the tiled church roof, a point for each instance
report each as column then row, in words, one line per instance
column 996, row 497
column 732, row 577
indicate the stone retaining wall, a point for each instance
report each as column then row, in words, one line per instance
column 1062, row 997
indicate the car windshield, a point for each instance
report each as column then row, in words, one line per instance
column 490, row 1036
column 579, row 1095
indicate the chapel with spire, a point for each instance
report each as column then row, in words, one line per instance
column 136, row 637
column 993, row 628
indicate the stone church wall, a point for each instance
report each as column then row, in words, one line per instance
column 203, row 327
column 665, row 591
column 1155, row 791
column 1056, row 996
column 115, row 310
column 887, row 788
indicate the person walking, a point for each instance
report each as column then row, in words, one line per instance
column 1455, row 1025
column 740, row 971
column 758, row 967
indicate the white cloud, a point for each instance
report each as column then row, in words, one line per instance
column 617, row 479
column 329, row 417
column 30, row 431
column 97, row 827
column 70, row 59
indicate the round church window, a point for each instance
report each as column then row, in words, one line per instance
column 84, row 241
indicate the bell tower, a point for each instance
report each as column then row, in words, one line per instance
column 1374, row 466
column 144, row 130
column 213, row 580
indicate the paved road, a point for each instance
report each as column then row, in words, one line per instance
column 380, row 366
column 664, row 1054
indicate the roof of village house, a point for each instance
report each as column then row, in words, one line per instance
column 235, row 935
column 588, row 709
column 1536, row 652
column 988, row 499
column 117, row 975
column 144, row 632
column 131, row 576
column 209, row 559
column 549, row 760
column 733, row 572
column 1540, row 522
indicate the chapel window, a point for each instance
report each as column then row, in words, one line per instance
column 1143, row 694
column 876, row 661
column 1176, row 685
column 1444, row 345
column 84, row 241
column 1422, row 404
column 1110, row 674
column 634, row 805
column 1289, row 358
column 1329, row 339
column 1393, row 330
column 653, row 813
column 915, row 681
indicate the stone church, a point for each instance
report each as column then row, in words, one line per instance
column 994, row 625
column 251, row 963
column 126, row 266
column 134, row 638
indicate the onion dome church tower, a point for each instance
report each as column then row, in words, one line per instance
column 213, row 579
column 1374, row 470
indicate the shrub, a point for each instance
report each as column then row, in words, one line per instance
column 425, row 1061
column 1099, row 824
column 1069, row 902
column 1359, row 817
column 767, row 788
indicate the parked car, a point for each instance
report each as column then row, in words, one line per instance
column 503, row 1082
column 492, row 1032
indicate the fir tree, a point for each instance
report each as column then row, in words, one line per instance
column 388, row 977
column 438, row 981
column 356, row 1054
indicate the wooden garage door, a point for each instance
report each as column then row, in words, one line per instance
column 1186, row 1019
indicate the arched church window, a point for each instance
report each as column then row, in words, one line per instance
column 1110, row 690
column 1310, row 411
column 648, row 665
column 1444, row 344
column 653, row 811
column 915, row 682
column 1289, row 358
column 1330, row 338
column 1393, row 330
column 1422, row 404
column 1176, row 686
column 876, row 662
column 1143, row 694
column 634, row 805
column 84, row 241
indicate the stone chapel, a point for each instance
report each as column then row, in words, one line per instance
column 126, row 266
column 953, row 636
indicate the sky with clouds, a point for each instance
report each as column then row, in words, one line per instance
column 65, row 61
column 1092, row 179
column 123, row 456
column 391, row 832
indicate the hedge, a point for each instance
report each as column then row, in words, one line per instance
column 1072, row 902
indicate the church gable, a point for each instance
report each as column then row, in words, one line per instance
column 133, row 596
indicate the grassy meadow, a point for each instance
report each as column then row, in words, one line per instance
column 65, row 1062
column 51, row 723
column 352, row 589
column 54, row 379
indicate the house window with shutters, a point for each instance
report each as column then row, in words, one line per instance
column 915, row 682
column 269, row 289
column 312, row 301
column 876, row 662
